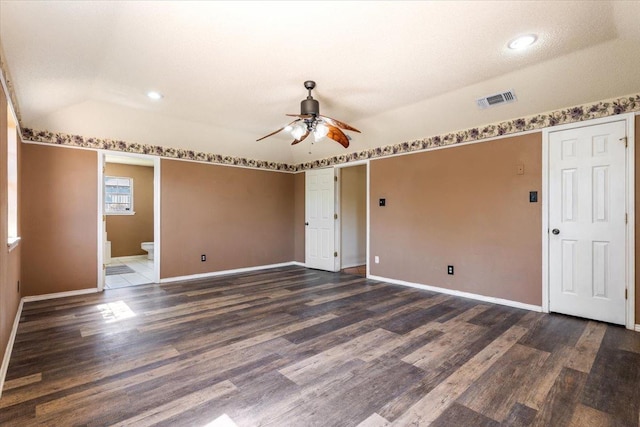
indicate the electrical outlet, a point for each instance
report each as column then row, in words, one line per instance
column 450, row 269
column 376, row 259
column 203, row 257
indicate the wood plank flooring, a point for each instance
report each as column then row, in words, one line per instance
column 300, row 347
column 360, row 270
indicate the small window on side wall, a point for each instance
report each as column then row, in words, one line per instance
column 118, row 195
column 12, row 179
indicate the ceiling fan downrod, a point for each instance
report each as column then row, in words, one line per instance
column 310, row 106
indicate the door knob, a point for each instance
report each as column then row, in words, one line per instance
column 306, row 223
column 555, row 231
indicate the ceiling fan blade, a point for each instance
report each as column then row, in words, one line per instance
column 338, row 123
column 273, row 133
column 297, row 141
column 338, row 136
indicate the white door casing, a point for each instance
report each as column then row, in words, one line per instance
column 102, row 225
column 319, row 219
column 102, row 221
column 586, row 223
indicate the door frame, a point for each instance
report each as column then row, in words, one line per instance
column 156, row 212
column 336, row 264
column 629, row 202
column 338, row 223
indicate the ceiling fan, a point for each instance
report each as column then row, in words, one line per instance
column 309, row 120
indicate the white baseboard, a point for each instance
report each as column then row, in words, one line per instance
column 298, row 263
column 60, row 295
column 637, row 328
column 225, row 272
column 7, row 352
column 478, row 297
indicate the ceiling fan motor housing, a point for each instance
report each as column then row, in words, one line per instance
column 310, row 106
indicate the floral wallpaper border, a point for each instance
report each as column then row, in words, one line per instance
column 611, row 107
column 58, row 138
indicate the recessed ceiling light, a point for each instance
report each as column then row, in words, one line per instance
column 154, row 95
column 522, row 42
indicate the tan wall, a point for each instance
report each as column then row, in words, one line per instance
column 353, row 215
column 127, row 232
column 637, row 213
column 237, row 217
column 299, row 217
column 9, row 261
column 428, row 197
column 465, row 207
column 59, row 219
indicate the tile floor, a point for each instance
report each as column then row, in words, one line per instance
column 142, row 266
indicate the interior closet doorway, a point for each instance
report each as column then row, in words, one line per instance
column 352, row 217
column 128, row 225
column 588, row 220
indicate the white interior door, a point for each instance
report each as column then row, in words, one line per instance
column 320, row 220
column 587, row 222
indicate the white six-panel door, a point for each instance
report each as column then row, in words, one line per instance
column 587, row 169
column 320, row 221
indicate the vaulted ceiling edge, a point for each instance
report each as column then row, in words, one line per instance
column 610, row 107
column 6, row 78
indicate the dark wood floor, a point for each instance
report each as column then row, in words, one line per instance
column 297, row 347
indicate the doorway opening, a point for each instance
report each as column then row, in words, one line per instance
column 588, row 236
column 129, row 220
column 337, row 218
column 352, row 215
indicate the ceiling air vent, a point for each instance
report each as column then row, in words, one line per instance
column 497, row 99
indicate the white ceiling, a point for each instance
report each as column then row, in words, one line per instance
column 229, row 71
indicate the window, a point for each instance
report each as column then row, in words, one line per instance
column 12, row 180
column 118, row 195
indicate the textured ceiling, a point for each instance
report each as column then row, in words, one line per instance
column 229, row 71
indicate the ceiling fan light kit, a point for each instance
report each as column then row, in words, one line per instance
column 310, row 121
